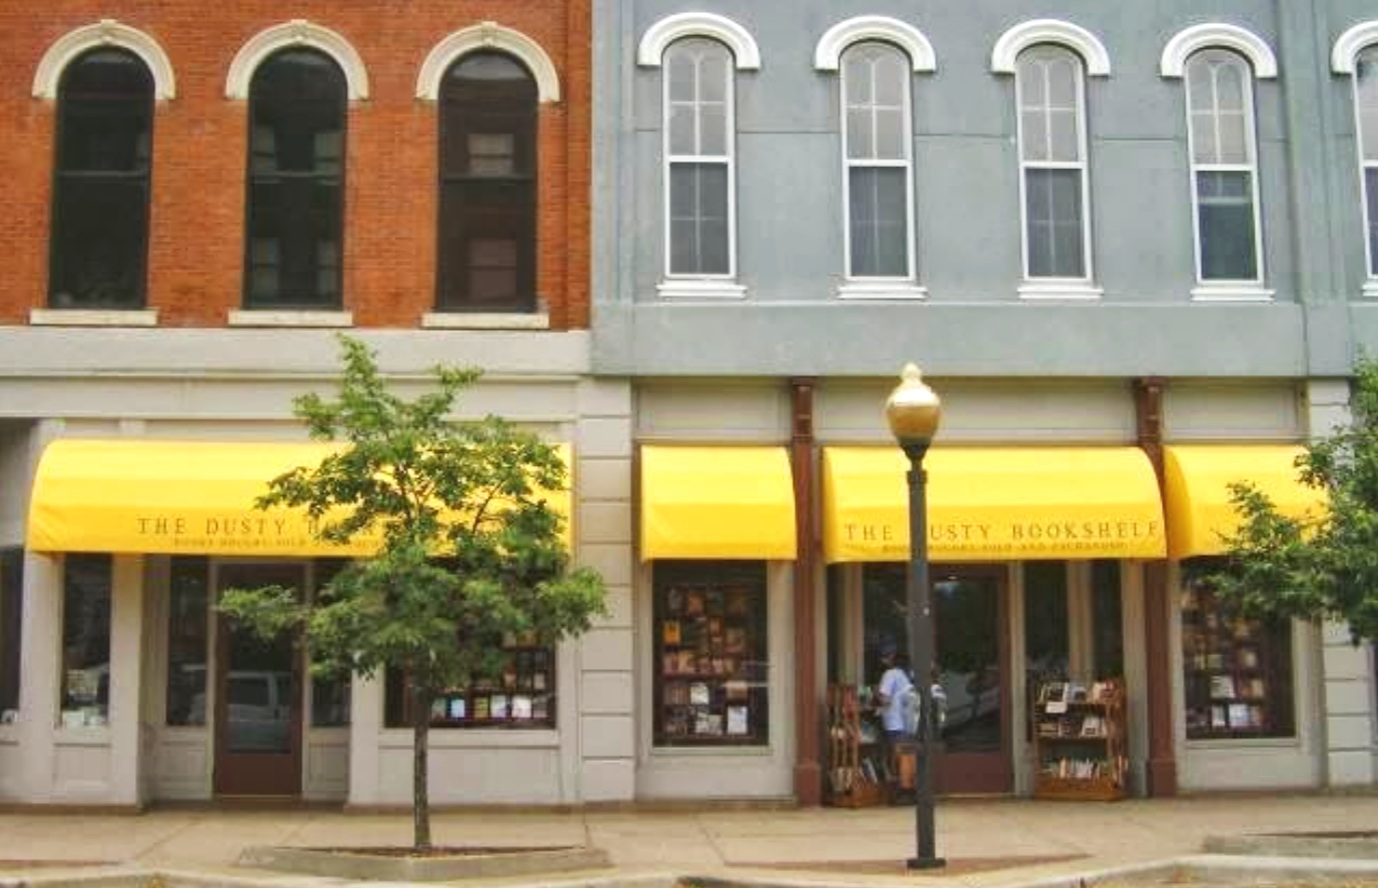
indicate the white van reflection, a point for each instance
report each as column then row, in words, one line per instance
column 259, row 710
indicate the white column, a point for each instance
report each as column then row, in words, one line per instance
column 1346, row 677
column 365, row 728
column 40, row 641
column 127, row 633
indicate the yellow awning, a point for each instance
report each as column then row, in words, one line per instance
column 1198, row 498
column 717, row 502
column 166, row 497
column 994, row 504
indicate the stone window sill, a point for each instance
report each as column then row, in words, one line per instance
column 93, row 317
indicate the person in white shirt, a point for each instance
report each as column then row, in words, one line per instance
column 894, row 694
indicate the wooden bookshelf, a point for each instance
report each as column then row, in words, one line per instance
column 857, row 774
column 1078, row 735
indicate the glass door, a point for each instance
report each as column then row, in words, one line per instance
column 258, row 711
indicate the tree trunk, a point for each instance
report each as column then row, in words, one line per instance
column 421, row 801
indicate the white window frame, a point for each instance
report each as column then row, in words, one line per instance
column 1055, row 287
column 879, row 286
column 1232, row 290
column 701, row 285
column 1344, row 59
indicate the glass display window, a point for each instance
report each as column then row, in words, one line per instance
column 187, row 640
column 521, row 696
column 86, row 597
column 11, row 619
column 712, row 666
column 1237, row 671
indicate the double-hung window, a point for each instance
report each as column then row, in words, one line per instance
column 1366, row 118
column 99, row 243
column 293, row 253
column 1224, row 170
column 878, row 150
column 1050, row 85
column 487, row 237
column 700, row 229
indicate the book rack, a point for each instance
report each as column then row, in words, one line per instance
column 1078, row 734
column 857, row 774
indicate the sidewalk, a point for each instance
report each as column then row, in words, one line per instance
column 988, row 842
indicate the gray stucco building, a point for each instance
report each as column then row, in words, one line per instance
column 1132, row 248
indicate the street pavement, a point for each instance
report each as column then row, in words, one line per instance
column 987, row 842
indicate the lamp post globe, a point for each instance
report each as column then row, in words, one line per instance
column 913, row 411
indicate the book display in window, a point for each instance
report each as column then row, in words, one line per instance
column 1236, row 671
column 858, row 769
column 1078, row 732
column 710, row 656
column 522, row 696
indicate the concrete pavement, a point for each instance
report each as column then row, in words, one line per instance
column 988, row 842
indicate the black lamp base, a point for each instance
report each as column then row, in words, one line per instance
column 923, row 863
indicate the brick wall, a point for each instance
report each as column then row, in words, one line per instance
column 197, row 223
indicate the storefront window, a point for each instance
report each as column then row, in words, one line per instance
column 11, row 618
column 523, row 696
column 86, row 640
column 1045, row 628
column 329, row 696
column 884, row 617
column 1106, row 620
column 1237, row 671
column 188, row 619
column 712, row 662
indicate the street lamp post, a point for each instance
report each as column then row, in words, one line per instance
column 913, row 411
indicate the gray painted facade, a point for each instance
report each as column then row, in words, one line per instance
column 1011, row 370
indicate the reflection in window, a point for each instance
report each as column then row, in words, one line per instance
column 1366, row 113
column 878, row 152
column 1223, row 166
column 1046, row 640
column 487, row 239
column 11, row 619
column 86, row 588
column 99, row 241
column 699, row 150
column 1052, row 151
column 1107, row 620
column 330, row 697
column 187, row 632
column 295, row 182
column 521, row 696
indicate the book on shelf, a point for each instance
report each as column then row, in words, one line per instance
column 737, row 722
column 1222, row 687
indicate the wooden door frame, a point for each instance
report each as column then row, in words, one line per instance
column 220, row 678
column 999, row 573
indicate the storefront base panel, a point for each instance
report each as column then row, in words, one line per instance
column 719, row 777
column 83, row 771
column 327, row 765
column 1244, row 768
column 474, row 776
column 10, row 768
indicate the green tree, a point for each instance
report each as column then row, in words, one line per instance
column 469, row 549
column 1322, row 566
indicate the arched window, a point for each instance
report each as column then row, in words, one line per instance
column 1366, row 116
column 878, row 148
column 1050, row 89
column 99, row 243
column 487, row 237
column 293, row 252
column 700, row 141
column 1224, row 167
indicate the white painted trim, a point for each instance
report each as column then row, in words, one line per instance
column 1231, row 292
column 1004, row 56
column 105, row 33
column 298, row 32
column 1366, row 155
column 1370, row 290
column 827, row 56
column 1222, row 35
column 674, row 282
column 881, row 290
column 848, row 164
column 1227, row 290
column 1047, row 290
column 273, row 318
column 1349, row 44
column 488, row 35
column 700, row 288
column 660, row 35
column 1060, row 285
column 93, row 317
column 461, row 320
